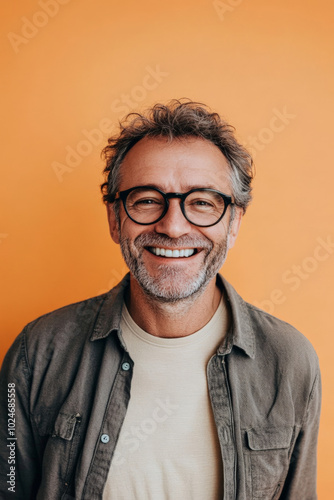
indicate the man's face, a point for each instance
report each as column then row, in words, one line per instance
column 176, row 166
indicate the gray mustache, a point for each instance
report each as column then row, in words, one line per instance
column 152, row 240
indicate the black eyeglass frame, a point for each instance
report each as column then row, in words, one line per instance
column 122, row 195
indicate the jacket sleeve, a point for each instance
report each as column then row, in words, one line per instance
column 302, row 477
column 18, row 454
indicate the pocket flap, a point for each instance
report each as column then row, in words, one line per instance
column 65, row 425
column 269, row 438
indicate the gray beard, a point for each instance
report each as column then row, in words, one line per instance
column 173, row 285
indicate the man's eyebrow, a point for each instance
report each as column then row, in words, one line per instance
column 199, row 186
column 185, row 187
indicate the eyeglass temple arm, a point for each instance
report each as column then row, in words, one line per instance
column 114, row 197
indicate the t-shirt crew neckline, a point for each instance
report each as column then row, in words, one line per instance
column 174, row 343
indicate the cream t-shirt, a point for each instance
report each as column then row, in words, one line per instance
column 168, row 447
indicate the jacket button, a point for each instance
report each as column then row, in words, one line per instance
column 105, row 438
column 126, row 366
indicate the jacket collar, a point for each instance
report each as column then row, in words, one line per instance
column 240, row 335
column 109, row 317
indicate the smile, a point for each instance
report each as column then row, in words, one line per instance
column 167, row 252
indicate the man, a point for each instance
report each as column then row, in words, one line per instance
column 170, row 386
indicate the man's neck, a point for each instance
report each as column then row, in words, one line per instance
column 177, row 319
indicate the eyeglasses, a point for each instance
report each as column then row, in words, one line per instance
column 203, row 207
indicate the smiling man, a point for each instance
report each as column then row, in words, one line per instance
column 172, row 230
column 170, row 386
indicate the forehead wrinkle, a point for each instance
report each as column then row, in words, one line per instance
column 189, row 187
column 184, row 187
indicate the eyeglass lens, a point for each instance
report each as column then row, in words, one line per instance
column 145, row 206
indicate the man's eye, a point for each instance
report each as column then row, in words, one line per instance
column 146, row 204
column 202, row 203
column 147, row 201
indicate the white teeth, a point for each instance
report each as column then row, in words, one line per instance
column 167, row 252
column 189, row 253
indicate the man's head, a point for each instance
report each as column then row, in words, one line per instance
column 175, row 232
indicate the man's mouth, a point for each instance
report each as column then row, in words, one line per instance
column 168, row 252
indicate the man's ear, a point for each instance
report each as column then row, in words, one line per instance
column 234, row 226
column 113, row 224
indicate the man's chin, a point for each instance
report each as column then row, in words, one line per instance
column 171, row 289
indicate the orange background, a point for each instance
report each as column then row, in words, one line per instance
column 250, row 60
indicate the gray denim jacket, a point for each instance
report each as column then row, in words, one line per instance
column 72, row 376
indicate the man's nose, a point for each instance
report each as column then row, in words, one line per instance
column 173, row 224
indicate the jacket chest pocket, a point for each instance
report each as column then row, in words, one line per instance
column 60, row 454
column 267, row 460
column 65, row 425
column 66, row 436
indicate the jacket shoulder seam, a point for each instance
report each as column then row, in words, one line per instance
column 268, row 315
column 32, row 323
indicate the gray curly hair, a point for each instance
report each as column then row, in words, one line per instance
column 179, row 119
